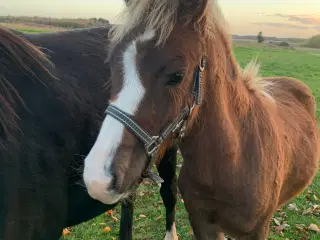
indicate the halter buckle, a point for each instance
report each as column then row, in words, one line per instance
column 178, row 126
column 153, row 146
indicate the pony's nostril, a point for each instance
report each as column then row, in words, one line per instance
column 114, row 183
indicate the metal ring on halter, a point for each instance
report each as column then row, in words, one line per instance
column 202, row 64
column 153, row 146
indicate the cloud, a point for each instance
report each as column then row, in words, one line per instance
column 282, row 25
column 301, row 22
column 304, row 19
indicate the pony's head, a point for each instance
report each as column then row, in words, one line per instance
column 158, row 59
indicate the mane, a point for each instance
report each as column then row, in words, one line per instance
column 254, row 82
column 17, row 57
column 161, row 16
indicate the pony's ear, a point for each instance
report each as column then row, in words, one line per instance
column 192, row 10
column 127, row 2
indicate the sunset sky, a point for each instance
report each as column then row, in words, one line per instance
column 282, row 18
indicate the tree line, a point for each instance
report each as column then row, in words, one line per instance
column 55, row 22
column 313, row 42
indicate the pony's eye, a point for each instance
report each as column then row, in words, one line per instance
column 175, row 79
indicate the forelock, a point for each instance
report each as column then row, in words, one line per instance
column 161, row 16
column 156, row 15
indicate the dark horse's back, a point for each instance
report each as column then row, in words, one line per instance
column 50, row 113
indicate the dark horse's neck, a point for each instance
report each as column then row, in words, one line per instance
column 214, row 134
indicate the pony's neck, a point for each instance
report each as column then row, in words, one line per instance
column 214, row 133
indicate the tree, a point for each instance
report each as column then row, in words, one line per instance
column 102, row 20
column 260, row 37
column 284, row 44
column 313, row 42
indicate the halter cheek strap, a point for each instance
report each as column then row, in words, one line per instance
column 197, row 83
column 152, row 143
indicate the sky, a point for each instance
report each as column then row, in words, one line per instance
column 280, row 18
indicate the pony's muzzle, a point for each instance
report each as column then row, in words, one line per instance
column 103, row 191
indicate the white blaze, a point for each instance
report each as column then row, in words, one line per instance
column 97, row 174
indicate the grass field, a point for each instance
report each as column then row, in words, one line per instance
column 290, row 222
column 31, row 28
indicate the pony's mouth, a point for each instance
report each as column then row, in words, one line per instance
column 98, row 191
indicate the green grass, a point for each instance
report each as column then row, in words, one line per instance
column 30, row 28
column 34, row 30
column 300, row 64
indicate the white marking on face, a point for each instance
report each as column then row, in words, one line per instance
column 97, row 173
column 172, row 235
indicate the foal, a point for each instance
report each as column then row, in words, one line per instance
column 249, row 144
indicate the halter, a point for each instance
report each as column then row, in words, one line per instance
column 152, row 143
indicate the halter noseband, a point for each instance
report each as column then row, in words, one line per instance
column 152, row 143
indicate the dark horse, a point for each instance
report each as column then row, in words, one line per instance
column 249, row 143
column 52, row 104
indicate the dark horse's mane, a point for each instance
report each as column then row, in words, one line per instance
column 36, row 69
column 32, row 63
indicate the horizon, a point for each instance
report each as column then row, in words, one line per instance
column 301, row 19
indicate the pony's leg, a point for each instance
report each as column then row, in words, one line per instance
column 203, row 227
column 205, row 231
column 167, row 170
column 260, row 233
column 126, row 220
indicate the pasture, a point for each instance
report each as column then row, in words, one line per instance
column 31, row 28
column 297, row 220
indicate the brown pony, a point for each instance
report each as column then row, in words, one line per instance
column 249, row 143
